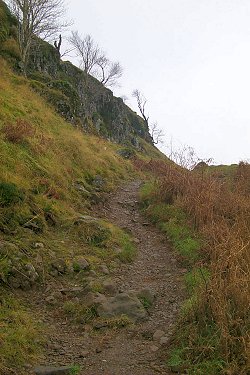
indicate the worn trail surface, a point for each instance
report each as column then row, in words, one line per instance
column 131, row 350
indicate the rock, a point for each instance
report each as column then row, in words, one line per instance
column 100, row 325
column 122, row 304
column 81, row 188
column 83, row 354
column 136, row 241
column 154, row 348
column 158, row 335
column 98, row 183
column 147, row 295
column 104, row 269
column 38, row 245
column 47, row 370
column 80, row 264
column 53, row 298
column 94, row 299
column 59, row 265
column 164, row 340
column 23, row 276
column 110, row 287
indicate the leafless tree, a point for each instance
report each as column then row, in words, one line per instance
column 186, row 157
column 94, row 61
column 141, row 102
column 87, row 50
column 37, row 18
column 155, row 132
column 110, row 72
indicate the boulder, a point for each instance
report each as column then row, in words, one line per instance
column 23, row 276
column 80, row 264
column 110, row 287
column 122, row 304
column 59, row 265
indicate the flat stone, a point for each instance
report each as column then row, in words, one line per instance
column 158, row 335
column 122, row 304
column 47, row 370
column 154, row 348
column 164, row 340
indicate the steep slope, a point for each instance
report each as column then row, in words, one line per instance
column 78, row 97
column 50, row 176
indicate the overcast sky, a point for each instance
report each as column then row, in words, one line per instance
column 190, row 58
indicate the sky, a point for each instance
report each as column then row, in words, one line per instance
column 190, row 59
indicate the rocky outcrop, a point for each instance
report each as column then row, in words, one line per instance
column 82, row 99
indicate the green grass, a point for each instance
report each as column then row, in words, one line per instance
column 196, row 278
column 20, row 335
column 196, row 342
column 75, row 370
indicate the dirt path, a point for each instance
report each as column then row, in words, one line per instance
column 131, row 350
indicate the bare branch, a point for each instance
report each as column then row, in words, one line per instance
column 156, row 133
column 94, row 61
column 37, row 18
column 141, row 102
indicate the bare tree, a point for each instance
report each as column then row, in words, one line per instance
column 87, row 50
column 155, row 132
column 94, row 61
column 141, row 102
column 110, row 72
column 37, row 18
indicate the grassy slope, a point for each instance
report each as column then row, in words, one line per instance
column 43, row 162
column 206, row 217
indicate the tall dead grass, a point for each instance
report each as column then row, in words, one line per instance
column 219, row 209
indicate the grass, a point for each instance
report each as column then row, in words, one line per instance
column 173, row 221
column 20, row 335
column 206, row 217
column 75, row 370
column 40, row 195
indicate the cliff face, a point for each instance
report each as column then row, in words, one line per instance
column 82, row 99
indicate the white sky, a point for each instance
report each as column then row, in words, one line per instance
column 191, row 60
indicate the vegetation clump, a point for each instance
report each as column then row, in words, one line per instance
column 206, row 217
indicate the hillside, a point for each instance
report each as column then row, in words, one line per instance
column 51, row 175
column 112, row 258
column 78, row 97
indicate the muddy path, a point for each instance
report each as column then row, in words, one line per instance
column 131, row 350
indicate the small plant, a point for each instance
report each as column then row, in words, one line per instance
column 128, row 252
column 116, row 322
column 78, row 312
column 145, row 301
column 75, row 370
column 9, row 194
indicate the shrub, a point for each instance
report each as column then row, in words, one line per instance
column 9, row 194
column 18, row 132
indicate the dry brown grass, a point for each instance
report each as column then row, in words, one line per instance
column 219, row 209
